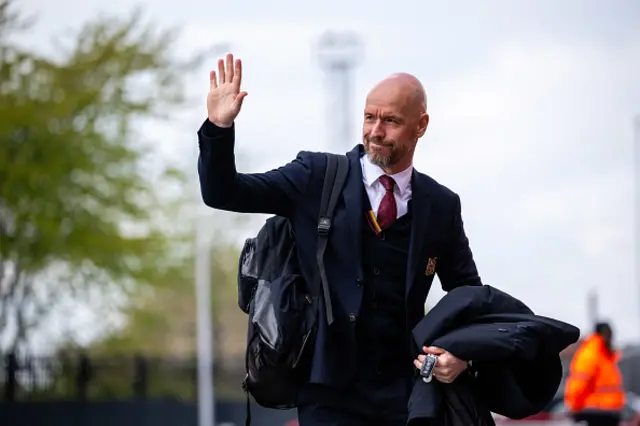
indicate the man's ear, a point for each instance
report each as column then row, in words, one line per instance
column 423, row 123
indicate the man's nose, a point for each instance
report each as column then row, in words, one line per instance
column 376, row 130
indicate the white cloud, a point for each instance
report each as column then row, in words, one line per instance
column 531, row 103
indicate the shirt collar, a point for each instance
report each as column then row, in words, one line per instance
column 371, row 173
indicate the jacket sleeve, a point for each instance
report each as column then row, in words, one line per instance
column 222, row 187
column 580, row 381
column 457, row 267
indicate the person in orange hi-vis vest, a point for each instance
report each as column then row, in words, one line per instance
column 594, row 390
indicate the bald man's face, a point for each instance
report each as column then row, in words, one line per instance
column 394, row 120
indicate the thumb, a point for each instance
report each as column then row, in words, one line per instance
column 240, row 97
column 433, row 350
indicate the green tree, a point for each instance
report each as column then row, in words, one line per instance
column 161, row 327
column 163, row 322
column 79, row 213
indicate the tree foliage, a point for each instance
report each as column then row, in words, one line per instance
column 162, row 325
column 163, row 322
column 78, row 211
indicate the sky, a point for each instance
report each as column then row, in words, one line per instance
column 531, row 102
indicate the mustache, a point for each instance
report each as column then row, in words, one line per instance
column 380, row 141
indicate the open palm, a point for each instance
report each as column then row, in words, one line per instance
column 225, row 98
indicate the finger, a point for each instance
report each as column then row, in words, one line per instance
column 421, row 358
column 433, row 350
column 441, row 377
column 240, row 98
column 213, row 82
column 442, row 372
column 237, row 75
column 221, row 74
column 417, row 363
column 229, row 76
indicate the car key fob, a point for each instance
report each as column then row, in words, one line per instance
column 427, row 367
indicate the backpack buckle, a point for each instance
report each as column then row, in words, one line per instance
column 323, row 226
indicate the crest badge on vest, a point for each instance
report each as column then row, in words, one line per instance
column 431, row 266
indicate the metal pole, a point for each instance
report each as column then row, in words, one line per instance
column 206, row 398
column 592, row 308
column 338, row 53
column 636, row 206
column 204, row 322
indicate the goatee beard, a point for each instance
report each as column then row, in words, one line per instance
column 377, row 159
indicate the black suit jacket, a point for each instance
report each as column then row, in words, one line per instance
column 294, row 191
column 514, row 353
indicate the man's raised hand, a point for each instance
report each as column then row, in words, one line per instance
column 225, row 98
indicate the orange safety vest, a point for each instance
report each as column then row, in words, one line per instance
column 595, row 381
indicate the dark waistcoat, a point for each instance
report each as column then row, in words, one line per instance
column 381, row 328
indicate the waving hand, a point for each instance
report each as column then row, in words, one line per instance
column 225, row 98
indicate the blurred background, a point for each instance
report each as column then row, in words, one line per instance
column 107, row 292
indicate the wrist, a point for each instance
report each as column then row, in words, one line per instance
column 212, row 130
column 222, row 125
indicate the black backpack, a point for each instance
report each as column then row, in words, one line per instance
column 281, row 305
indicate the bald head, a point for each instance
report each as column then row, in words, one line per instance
column 405, row 86
column 395, row 117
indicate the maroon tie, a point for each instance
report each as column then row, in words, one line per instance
column 388, row 211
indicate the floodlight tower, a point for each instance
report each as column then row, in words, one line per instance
column 338, row 54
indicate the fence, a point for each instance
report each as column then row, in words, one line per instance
column 118, row 391
column 80, row 378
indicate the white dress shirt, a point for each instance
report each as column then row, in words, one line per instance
column 375, row 190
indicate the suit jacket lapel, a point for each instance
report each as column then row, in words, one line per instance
column 352, row 196
column 420, row 209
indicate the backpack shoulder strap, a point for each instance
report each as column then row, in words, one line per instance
column 334, row 179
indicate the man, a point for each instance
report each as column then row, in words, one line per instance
column 594, row 393
column 392, row 230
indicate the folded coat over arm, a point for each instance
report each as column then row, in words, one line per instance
column 515, row 356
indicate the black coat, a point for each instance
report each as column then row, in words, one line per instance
column 516, row 368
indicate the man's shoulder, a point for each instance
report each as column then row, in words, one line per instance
column 315, row 161
column 313, row 156
column 436, row 188
column 310, row 156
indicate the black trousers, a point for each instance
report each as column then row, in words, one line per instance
column 380, row 403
